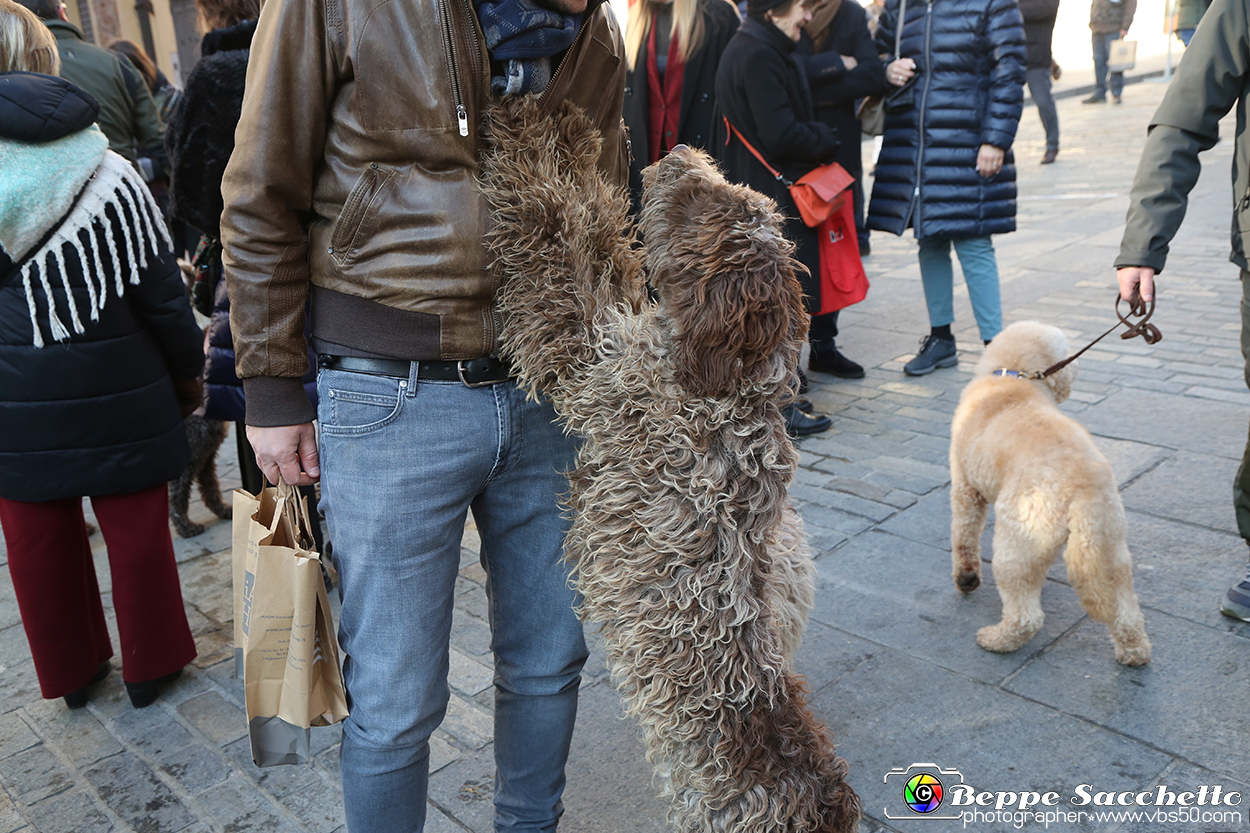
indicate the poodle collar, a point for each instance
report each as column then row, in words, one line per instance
column 1019, row 374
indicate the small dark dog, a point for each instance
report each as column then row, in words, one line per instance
column 204, row 436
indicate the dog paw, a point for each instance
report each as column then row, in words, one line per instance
column 967, row 582
column 187, row 529
column 999, row 639
column 221, row 510
column 1134, row 655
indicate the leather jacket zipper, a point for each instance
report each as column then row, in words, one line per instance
column 924, row 97
column 590, row 10
column 453, row 58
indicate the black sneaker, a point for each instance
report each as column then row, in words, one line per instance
column 1236, row 603
column 799, row 424
column 1095, row 99
column 825, row 358
column 935, row 352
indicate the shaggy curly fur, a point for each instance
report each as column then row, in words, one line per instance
column 687, row 551
column 1051, row 489
column 204, row 436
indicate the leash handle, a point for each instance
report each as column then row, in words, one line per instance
column 1136, row 308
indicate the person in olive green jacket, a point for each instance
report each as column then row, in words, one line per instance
column 1188, row 14
column 128, row 116
column 1213, row 78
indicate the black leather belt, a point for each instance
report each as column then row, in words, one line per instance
column 473, row 373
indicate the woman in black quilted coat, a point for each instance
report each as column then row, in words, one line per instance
column 98, row 357
column 946, row 168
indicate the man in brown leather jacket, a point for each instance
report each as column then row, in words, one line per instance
column 352, row 191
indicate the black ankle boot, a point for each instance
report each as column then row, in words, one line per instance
column 144, row 694
column 78, row 698
column 825, row 358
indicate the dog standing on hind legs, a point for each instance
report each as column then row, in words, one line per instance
column 688, row 554
column 1052, row 491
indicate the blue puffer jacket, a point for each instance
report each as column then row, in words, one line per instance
column 970, row 62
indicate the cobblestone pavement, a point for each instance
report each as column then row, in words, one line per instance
column 890, row 654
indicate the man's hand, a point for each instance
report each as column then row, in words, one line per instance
column 286, row 450
column 989, row 160
column 849, row 62
column 1140, row 278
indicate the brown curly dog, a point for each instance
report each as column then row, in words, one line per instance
column 688, row 553
column 1052, row 490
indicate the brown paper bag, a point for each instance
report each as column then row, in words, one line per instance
column 285, row 645
column 1122, row 55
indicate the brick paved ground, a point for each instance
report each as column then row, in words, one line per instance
column 890, row 654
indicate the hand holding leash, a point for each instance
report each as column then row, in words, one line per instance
column 1138, row 307
column 1143, row 328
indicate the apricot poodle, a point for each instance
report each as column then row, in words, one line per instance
column 687, row 552
column 1052, row 490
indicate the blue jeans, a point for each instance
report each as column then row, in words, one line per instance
column 1102, row 53
column 401, row 463
column 976, row 256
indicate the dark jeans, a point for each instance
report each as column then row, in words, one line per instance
column 1039, row 89
column 1102, row 51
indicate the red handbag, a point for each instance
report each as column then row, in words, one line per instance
column 816, row 193
column 842, row 278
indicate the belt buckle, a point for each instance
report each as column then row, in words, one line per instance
column 464, row 381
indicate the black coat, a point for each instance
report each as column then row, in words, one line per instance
column 1039, row 29
column 96, row 414
column 970, row 62
column 835, row 90
column 763, row 92
column 200, row 136
column 698, row 91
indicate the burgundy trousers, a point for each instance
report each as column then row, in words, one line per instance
column 59, row 599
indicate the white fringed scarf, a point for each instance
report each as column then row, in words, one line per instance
column 38, row 186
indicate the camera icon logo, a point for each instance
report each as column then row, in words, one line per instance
column 922, row 788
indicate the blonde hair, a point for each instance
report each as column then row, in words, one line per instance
column 687, row 27
column 26, row 45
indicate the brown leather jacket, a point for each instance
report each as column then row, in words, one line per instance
column 355, row 173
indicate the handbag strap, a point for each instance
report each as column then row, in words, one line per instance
column 898, row 29
column 776, row 173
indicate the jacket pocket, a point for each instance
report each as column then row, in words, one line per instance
column 356, row 219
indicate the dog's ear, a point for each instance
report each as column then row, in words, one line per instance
column 1060, row 382
column 731, row 325
column 733, row 296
